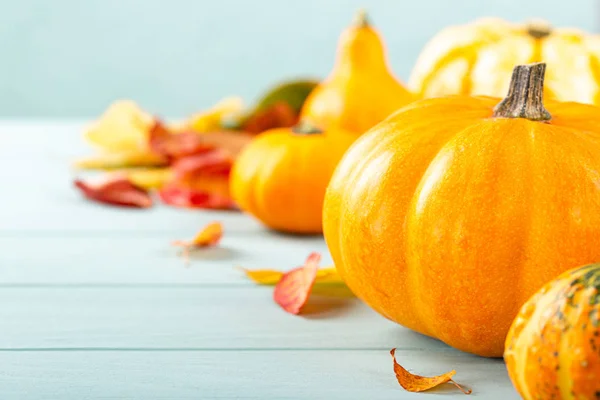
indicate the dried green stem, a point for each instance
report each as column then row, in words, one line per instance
column 361, row 19
column 525, row 94
column 538, row 28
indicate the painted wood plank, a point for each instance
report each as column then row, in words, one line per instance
column 240, row 375
column 212, row 317
column 27, row 259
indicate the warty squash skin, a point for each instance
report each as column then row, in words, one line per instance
column 446, row 218
column 281, row 176
column 478, row 58
column 553, row 346
column 361, row 90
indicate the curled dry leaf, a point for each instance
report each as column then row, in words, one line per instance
column 208, row 236
column 416, row 383
column 124, row 159
column 271, row 276
column 212, row 119
column 294, row 287
column 116, row 191
column 214, row 162
column 148, row 178
column 123, row 127
column 278, row 115
column 175, row 145
column 189, row 197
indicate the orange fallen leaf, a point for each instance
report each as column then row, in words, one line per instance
column 213, row 162
column 272, row 276
column 116, row 190
column 175, row 145
column 294, row 287
column 278, row 115
column 189, row 197
column 208, row 236
column 416, row 383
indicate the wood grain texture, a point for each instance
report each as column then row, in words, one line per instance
column 210, row 317
column 259, row 375
column 128, row 258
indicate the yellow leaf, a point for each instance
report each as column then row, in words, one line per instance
column 417, row 383
column 123, row 127
column 149, row 178
column 212, row 119
column 327, row 275
column 135, row 158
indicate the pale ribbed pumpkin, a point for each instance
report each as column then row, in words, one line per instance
column 478, row 58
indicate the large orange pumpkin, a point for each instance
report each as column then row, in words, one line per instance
column 447, row 216
column 553, row 346
column 281, row 176
column 478, row 59
column 361, row 90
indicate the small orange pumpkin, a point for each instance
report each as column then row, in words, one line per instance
column 450, row 214
column 553, row 346
column 281, row 176
column 361, row 90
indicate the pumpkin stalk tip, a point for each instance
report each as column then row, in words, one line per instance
column 525, row 94
column 538, row 28
column 361, row 19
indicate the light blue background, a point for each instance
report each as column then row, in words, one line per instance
column 64, row 58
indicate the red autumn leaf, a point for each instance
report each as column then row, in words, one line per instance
column 175, row 145
column 208, row 236
column 116, row 191
column 186, row 197
column 279, row 115
column 213, row 162
column 416, row 383
column 292, row 291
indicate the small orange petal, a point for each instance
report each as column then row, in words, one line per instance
column 209, row 236
column 293, row 289
column 416, row 383
column 116, row 190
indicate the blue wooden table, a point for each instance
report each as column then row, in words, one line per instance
column 96, row 304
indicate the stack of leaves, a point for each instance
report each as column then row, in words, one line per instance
column 186, row 163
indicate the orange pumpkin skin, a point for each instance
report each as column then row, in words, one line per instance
column 361, row 90
column 446, row 219
column 553, row 346
column 281, row 177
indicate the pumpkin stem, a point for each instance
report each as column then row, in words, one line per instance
column 304, row 127
column 538, row 28
column 361, row 19
column 525, row 94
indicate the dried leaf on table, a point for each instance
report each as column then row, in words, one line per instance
column 213, row 163
column 208, row 236
column 212, row 119
column 293, row 289
column 416, row 383
column 175, row 145
column 123, row 127
column 116, row 190
column 128, row 159
column 278, row 115
column 200, row 181
column 190, row 197
column 149, row 178
column 271, row 277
